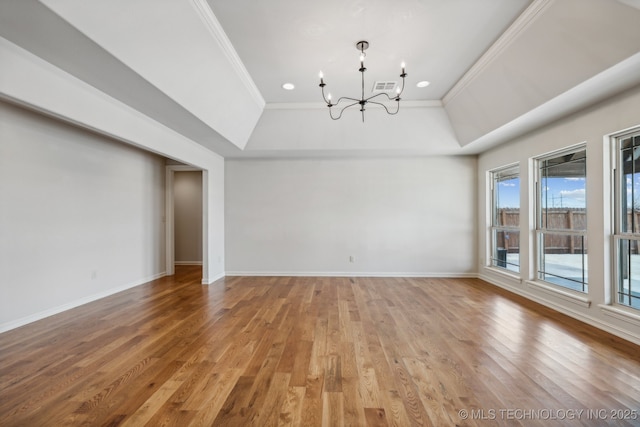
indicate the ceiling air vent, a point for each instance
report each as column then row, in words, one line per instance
column 384, row 86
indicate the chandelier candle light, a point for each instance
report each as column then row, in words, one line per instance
column 362, row 46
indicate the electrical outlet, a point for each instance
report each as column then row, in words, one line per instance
column 94, row 274
column 351, row 258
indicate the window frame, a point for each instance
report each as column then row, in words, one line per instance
column 540, row 231
column 494, row 228
column 618, row 235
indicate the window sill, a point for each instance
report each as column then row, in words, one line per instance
column 504, row 273
column 620, row 313
column 575, row 298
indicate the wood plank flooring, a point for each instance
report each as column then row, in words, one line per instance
column 315, row 352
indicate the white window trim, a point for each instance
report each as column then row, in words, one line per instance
column 562, row 291
column 566, row 294
column 611, row 306
column 492, row 227
column 621, row 312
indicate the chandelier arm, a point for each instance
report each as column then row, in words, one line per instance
column 403, row 75
column 346, row 97
column 379, row 94
column 342, row 110
column 322, row 85
column 386, row 109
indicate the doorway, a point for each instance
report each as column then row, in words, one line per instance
column 185, row 219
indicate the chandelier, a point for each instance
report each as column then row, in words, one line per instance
column 362, row 46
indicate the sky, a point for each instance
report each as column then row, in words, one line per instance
column 509, row 193
column 633, row 184
column 561, row 193
column 564, row 193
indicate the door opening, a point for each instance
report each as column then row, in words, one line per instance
column 185, row 232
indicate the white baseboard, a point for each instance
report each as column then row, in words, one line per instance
column 7, row 326
column 597, row 323
column 347, row 274
column 187, row 262
column 209, row 281
column 608, row 327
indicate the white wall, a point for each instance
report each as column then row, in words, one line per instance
column 80, row 216
column 31, row 81
column 411, row 216
column 187, row 197
column 422, row 129
column 590, row 126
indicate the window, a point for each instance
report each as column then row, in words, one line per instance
column 561, row 226
column 505, row 218
column 627, row 224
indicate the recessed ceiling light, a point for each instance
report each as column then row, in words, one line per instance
column 288, row 86
column 423, row 83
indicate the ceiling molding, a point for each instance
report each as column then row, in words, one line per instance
column 519, row 25
column 214, row 27
column 611, row 82
column 321, row 105
column 78, row 103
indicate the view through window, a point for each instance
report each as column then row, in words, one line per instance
column 562, row 220
column 505, row 222
column 628, row 224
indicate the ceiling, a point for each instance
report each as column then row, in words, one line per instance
column 212, row 70
column 291, row 41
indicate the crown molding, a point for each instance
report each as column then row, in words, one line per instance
column 533, row 12
column 11, row 90
column 214, row 27
column 322, row 105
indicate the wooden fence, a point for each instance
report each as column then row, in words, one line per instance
column 555, row 219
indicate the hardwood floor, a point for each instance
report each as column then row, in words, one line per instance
column 315, row 351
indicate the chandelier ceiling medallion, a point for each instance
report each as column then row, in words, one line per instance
column 362, row 46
